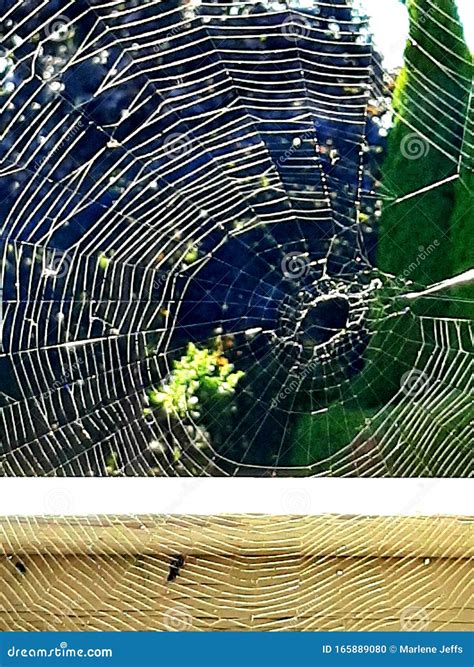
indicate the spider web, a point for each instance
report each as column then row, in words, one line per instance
column 201, row 172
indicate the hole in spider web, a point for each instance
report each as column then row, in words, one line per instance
column 325, row 320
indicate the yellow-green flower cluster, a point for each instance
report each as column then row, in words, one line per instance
column 200, row 377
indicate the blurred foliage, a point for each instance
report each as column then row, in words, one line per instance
column 462, row 222
column 430, row 101
column 422, row 434
column 316, row 437
column 392, row 352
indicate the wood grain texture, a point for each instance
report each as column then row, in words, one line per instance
column 236, row 534
column 239, row 573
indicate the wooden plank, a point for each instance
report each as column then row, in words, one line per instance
column 130, row 593
column 239, row 573
column 447, row 537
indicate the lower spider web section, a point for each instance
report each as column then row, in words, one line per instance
column 343, row 382
column 404, row 415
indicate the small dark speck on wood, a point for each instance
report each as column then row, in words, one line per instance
column 176, row 564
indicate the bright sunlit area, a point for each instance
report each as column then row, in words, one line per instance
column 389, row 21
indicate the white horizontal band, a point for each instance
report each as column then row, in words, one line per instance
column 207, row 496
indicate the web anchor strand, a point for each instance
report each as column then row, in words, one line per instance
column 466, row 278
